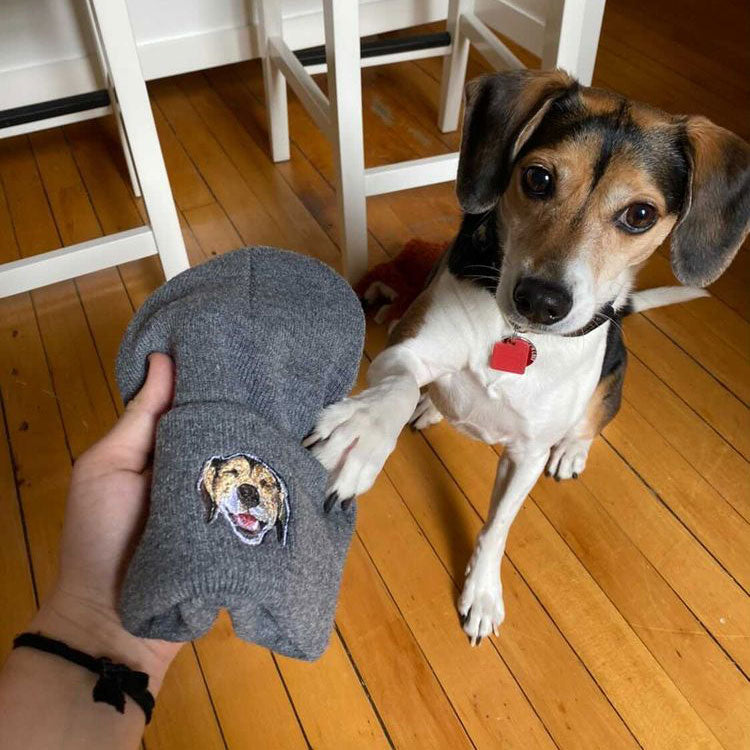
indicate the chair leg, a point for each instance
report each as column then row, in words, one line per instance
column 118, row 46
column 454, row 68
column 114, row 104
column 571, row 37
column 269, row 25
column 345, row 97
column 591, row 27
column 125, row 146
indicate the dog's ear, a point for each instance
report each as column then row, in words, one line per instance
column 715, row 216
column 502, row 111
column 206, row 481
column 282, row 519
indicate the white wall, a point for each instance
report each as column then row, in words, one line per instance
column 45, row 45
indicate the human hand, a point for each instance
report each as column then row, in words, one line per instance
column 105, row 514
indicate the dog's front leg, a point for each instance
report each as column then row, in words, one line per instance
column 481, row 601
column 354, row 437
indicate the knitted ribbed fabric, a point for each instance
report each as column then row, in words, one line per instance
column 262, row 340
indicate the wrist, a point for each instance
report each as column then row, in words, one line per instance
column 97, row 630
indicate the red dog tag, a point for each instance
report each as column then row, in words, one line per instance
column 513, row 354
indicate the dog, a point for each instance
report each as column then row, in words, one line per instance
column 565, row 190
column 248, row 494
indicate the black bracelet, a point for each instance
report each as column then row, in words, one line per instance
column 115, row 680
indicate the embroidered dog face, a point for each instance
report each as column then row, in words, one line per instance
column 248, row 493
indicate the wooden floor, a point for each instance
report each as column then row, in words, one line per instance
column 628, row 618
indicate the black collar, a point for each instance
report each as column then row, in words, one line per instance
column 607, row 312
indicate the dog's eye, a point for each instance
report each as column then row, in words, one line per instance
column 538, row 182
column 638, row 218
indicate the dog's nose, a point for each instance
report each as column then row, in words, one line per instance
column 542, row 302
column 248, row 495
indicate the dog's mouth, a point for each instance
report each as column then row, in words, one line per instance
column 247, row 523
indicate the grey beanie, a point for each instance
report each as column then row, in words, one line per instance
column 262, row 340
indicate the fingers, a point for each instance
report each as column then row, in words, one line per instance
column 129, row 443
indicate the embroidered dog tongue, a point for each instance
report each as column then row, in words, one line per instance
column 513, row 354
column 247, row 521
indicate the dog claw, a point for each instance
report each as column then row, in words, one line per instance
column 310, row 440
column 575, row 475
column 331, row 500
column 346, row 503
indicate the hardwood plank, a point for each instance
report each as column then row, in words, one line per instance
column 35, row 429
column 42, row 461
column 695, row 576
column 720, row 408
column 713, row 329
column 640, row 79
column 183, row 715
column 17, row 592
column 683, row 647
column 212, row 229
column 188, row 187
column 310, row 187
column 391, row 135
column 250, row 698
column 330, row 702
column 410, row 700
column 22, row 188
column 62, row 323
column 112, row 201
column 727, row 363
column 724, row 532
column 711, row 456
column 302, row 232
column 731, row 286
column 702, row 60
column 248, row 215
column 656, row 712
column 16, row 583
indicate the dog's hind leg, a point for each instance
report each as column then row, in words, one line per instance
column 425, row 414
column 481, row 602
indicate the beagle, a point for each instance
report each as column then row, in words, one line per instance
column 516, row 338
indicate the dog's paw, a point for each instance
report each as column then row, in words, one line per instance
column 352, row 439
column 425, row 414
column 481, row 604
column 568, row 458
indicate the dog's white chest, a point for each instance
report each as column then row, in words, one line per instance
column 540, row 405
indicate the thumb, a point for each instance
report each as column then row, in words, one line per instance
column 129, row 443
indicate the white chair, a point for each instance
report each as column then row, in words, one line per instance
column 568, row 38
column 128, row 100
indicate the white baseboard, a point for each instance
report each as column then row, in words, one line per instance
column 165, row 57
